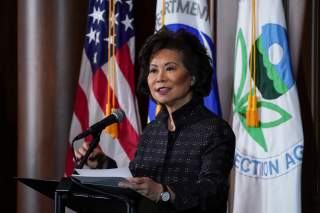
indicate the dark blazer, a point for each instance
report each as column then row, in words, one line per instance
column 197, row 164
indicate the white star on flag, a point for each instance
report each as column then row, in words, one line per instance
column 115, row 19
column 97, row 36
column 91, row 35
column 109, row 39
column 95, row 57
column 127, row 23
column 97, row 15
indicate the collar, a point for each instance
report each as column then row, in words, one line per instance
column 182, row 115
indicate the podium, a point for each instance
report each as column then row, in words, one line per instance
column 70, row 192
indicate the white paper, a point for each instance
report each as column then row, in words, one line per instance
column 123, row 172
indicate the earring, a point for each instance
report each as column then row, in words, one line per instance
column 193, row 80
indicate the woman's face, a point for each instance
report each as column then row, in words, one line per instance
column 168, row 80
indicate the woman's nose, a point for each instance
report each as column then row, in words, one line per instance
column 161, row 76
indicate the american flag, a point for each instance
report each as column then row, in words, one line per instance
column 99, row 84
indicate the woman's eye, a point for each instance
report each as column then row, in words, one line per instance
column 152, row 70
column 170, row 68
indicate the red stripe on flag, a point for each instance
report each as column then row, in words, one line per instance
column 100, row 88
column 128, row 137
column 126, row 65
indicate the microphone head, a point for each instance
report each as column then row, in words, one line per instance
column 119, row 114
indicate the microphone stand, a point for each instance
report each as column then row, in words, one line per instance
column 92, row 145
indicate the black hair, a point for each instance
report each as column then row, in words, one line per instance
column 194, row 58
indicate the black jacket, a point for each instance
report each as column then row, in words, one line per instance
column 197, row 164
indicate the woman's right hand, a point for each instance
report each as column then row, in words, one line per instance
column 95, row 160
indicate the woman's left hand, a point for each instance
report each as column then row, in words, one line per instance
column 145, row 186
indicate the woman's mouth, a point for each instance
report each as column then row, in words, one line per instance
column 163, row 90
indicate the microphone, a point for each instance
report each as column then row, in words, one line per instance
column 116, row 116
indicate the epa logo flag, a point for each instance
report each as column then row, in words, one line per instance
column 268, row 158
column 193, row 16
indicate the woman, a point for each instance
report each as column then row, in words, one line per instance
column 185, row 155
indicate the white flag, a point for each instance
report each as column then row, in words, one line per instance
column 267, row 168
